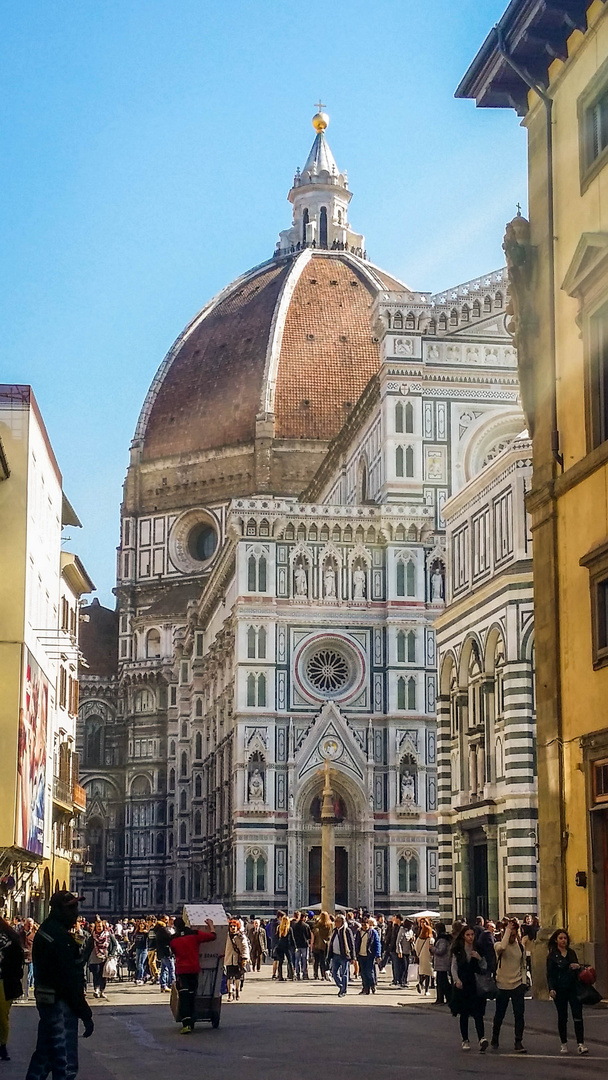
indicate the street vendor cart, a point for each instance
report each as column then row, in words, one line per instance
column 208, row 1001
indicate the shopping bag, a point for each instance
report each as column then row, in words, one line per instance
column 413, row 972
column 174, row 1003
column 110, row 968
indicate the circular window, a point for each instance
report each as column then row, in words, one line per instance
column 327, row 671
column 331, row 666
column 194, row 541
column 202, row 542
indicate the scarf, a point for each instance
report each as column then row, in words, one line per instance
column 101, row 941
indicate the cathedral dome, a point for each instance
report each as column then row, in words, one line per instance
column 292, row 339
column 274, row 362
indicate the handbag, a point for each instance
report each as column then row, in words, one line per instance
column 587, row 994
column 485, row 985
column 587, row 975
column 110, row 968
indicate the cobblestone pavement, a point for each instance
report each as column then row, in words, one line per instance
column 300, row 1031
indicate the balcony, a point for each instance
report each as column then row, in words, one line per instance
column 62, row 794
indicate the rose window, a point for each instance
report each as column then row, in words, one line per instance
column 328, row 671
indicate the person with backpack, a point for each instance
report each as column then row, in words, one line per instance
column 511, row 984
column 440, row 951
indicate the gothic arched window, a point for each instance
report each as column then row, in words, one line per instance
column 262, row 690
column 409, row 461
column 153, row 644
column 198, row 787
column 198, row 746
column 408, row 873
column 251, row 642
column 262, row 643
column 262, row 574
column 184, row 764
column 400, row 579
column 252, row 573
column 401, row 693
column 198, row 708
column 411, row 579
column 182, row 834
column 411, row 647
column 411, row 693
column 323, row 227
column 398, row 321
column 399, row 461
column 399, row 417
column 172, row 780
column 255, row 873
column 198, row 823
column 182, row 802
column 401, row 643
column 251, row 689
column 409, row 418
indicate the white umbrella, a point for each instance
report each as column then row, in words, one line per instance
column 317, row 907
column 424, row 915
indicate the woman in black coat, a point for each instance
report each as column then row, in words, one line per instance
column 562, row 977
column 285, row 948
column 466, row 1000
column 11, row 976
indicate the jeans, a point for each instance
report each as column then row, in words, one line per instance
column 319, row 957
column 443, row 987
column 503, row 997
column 368, row 972
column 167, row 971
column 141, row 956
column 399, row 967
column 477, row 1011
column 339, row 970
column 28, row 978
column 563, row 998
column 99, row 983
column 57, row 1045
column 301, row 964
column 186, row 987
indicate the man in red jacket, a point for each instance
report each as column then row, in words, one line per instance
column 185, row 945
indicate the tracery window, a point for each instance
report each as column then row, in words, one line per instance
column 408, row 873
column 255, row 872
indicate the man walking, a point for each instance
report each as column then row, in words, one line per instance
column 341, row 952
column 59, row 992
column 511, row 982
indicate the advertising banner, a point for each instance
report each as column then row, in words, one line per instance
column 31, row 765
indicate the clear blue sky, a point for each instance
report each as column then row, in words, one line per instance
column 147, row 150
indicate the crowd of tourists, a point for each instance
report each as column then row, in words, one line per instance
column 464, row 967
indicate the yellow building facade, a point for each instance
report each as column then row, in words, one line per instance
column 550, row 63
column 40, row 590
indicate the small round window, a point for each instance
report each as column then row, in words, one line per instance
column 202, row 542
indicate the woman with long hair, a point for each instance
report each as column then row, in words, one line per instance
column 424, row 941
column 321, row 933
column 562, row 976
column 103, row 946
column 466, row 1000
column 11, row 975
column 286, row 948
column 140, row 946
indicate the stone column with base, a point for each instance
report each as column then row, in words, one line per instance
column 328, row 847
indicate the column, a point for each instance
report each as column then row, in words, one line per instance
column 328, row 848
column 494, row 912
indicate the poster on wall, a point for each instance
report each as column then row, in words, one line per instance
column 31, row 765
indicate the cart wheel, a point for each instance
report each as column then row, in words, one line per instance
column 215, row 1017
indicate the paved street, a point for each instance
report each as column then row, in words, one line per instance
column 297, row 1031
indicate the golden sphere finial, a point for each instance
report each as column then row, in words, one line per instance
column 320, row 120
